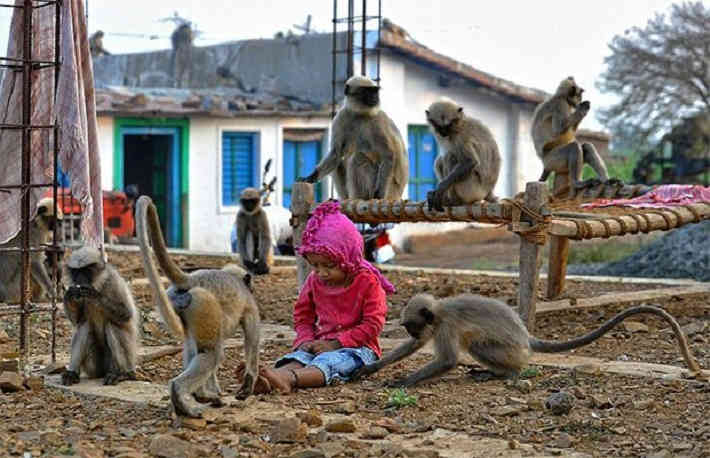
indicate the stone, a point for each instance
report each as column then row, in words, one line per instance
column 375, row 432
column 10, row 365
column 311, row 417
column 635, row 326
column 309, row 453
column 563, row 441
column 601, row 402
column 196, row 424
column 228, row 452
column 507, row 411
column 347, row 408
column 389, row 424
column 53, row 369
column 579, row 393
column 682, row 447
column 696, row 327
column 289, row 430
column 331, row 447
column 34, row 382
column 560, row 403
column 169, row 446
column 87, row 450
column 11, row 382
column 341, row 426
column 418, row 453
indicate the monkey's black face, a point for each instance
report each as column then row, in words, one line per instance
column 574, row 97
column 249, row 204
column 368, row 96
column 444, row 128
column 85, row 275
column 413, row 329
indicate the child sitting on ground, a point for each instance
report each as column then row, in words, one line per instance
column 340, row 310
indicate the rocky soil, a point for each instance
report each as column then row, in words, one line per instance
column 609, row 415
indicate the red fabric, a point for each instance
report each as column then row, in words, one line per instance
column 668, row 195
column 354, row 315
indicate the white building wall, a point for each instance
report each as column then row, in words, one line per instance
column 105, row 139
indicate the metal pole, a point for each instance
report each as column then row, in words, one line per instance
column 26, row 178
column 335, row 60
column 363, row 50
column 53, row 254
column 351, row 26
column 379, row 28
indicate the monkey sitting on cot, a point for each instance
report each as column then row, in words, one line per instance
column 41, row 228
column 554, row 128
column 100, row 306
column 468, row 163
column 254, row 233
column 493, row 334
column 368, row 157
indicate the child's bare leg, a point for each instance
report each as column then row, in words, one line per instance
column 293, row 375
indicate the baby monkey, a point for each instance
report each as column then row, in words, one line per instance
column 493, row 334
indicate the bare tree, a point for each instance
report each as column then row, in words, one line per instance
column 661, row 73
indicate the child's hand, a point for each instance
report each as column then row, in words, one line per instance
column 322, row 346
column 307, row 346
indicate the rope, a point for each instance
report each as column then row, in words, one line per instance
column 537, row 233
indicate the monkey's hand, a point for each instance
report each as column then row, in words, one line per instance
column 435, row 200
column 312, row 178
column 70, row 378
column 249, row 265
column 261, row 268
column 364, row 371
column 397, row 383
column 584, row 107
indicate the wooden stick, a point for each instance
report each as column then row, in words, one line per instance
column 302, row 198
column 382, row 211
column 536, row 196
column 597, row 229
column 559, row 248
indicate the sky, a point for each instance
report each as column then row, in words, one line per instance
column 532, row 43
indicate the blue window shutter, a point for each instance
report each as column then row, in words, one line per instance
column 422, row 154
column 238, row 165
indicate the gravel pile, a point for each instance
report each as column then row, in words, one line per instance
column 682, row 253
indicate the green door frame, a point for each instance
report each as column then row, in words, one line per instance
column 183, row 124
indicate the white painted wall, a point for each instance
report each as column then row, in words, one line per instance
column 105, row 139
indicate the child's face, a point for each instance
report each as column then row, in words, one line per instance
column 327, row 270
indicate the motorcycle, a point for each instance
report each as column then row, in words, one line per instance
column 378, row 246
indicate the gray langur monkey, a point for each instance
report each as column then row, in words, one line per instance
column 493, row 334
column 254, row 233
column 203, row 308
column 41, row 228
column 96, row 44
column 468, row 163
column 101, row 309
column 554, row 127
column 368, row 158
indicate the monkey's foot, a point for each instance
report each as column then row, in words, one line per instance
column 213, row 399
column 113, row 378
column 70, row 378
column 184, row 404
column 484, row 375
column 249, row 386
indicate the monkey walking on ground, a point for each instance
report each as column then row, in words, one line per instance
column 100, row 306
column 493, row 334
column 203, row 308
column 254, row 233
column 368, row 157
column 41, row 228
column 468, row 163
column 554, row 128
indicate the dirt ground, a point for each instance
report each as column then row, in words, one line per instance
column 613, row 415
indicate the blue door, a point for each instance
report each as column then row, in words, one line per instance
column 239, row 165
column 300, row 159
column 422, row 153
column 151, row 160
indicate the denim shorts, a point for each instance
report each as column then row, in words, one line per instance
column 335, row 365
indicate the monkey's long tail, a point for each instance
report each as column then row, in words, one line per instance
column 144, row 208
column 548, row 346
